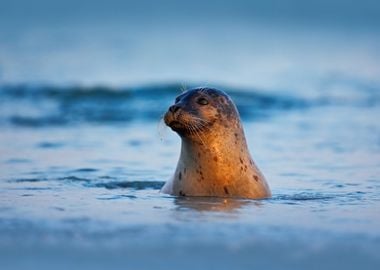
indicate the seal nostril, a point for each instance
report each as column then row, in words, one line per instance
column 173, row 108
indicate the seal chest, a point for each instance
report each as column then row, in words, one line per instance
column 214, row 159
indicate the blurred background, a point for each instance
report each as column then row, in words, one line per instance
column 270, row 44
column 83, row 152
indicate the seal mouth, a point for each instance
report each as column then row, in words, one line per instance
column 184, row 123
column 175, row 125
column 178, row 126
column 172, row 121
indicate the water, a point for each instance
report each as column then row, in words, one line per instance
column 83, row 152
column 81, row 170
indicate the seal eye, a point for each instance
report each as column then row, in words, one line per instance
column 202, row 101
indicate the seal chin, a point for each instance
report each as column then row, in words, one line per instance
column 168, row 118
column 175, row 125
column 172, row 122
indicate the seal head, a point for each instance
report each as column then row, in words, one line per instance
column 197, row 110
column 214, row 159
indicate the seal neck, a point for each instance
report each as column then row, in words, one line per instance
column 227, row 146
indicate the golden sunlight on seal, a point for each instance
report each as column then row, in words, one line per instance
column 214, row 159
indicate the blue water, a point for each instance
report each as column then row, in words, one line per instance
column 84, row 151
column 81, row 170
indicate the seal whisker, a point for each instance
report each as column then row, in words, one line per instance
column 202, row 90
column 188, row 128
column 200, row 126
column 196, row 132
column 161, row 128
column 183, row 88
column 200, row 134
column 200, row 120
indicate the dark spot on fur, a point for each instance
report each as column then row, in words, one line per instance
column 199, row 154
column 213, row 94
column 222, row 100
column 215, row 158
column 236, row 135
column 182, row 193
column 241, row 160
column 226, row 190
column 180, row 176
column 250, row 161
column 256, row 178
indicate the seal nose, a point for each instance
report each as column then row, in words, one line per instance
column 174, row 108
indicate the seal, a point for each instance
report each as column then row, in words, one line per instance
column 214, row 160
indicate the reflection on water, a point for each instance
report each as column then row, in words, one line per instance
column 204, row 204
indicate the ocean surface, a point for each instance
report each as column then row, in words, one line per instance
column 84, row 151
column 81, row 170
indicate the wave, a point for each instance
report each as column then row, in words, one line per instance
column 138, row 185
column 40, row 106
column 97, row 182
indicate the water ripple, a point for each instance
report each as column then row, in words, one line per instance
column 304, row 196
column 139, row 185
